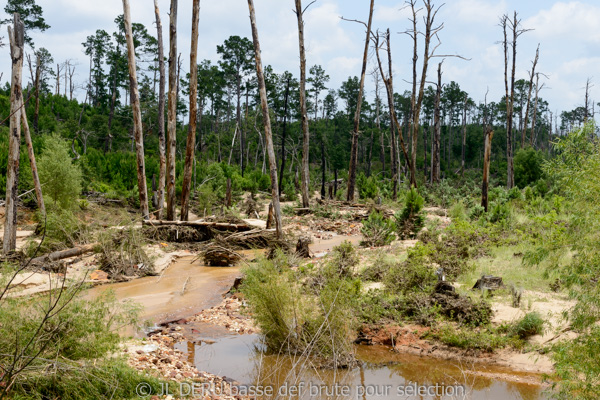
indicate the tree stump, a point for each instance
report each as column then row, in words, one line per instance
column 302, row 249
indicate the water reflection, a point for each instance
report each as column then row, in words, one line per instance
column 381, row 374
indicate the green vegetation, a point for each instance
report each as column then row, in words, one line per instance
column 410, row 220
column 377, row 230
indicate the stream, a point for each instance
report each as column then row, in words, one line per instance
column 187, row 287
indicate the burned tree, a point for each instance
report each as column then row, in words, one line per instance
column 137, row 113
column 303, row 112
column 394, row 124
column 16, row 37
column 191, row 138
column 355, row 132
column 531, row 75
column 267, row 121
column 489, row 134
column 513, row 25
column 172, row 113
column 160, row 198
column 437, row 135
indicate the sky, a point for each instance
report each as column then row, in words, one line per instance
column 566, row 31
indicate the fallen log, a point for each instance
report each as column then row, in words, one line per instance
column 60, row 255
column 202, row 224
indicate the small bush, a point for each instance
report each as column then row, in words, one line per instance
column 61, row 179
column 410, row 220
column 531, row 324
column 416, row 274
column 344, row 259
column 476, row 212
column 470, row 339
column 368, row 188
column 458, row 211
column 377, row 230
column 376, row 271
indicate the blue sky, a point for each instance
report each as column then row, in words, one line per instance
column 566, row 30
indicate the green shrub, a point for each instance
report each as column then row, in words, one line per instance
column 410, row 220
column 312, row 324
column 368, row 188
column 471, row 339
column 500, row 212
column 61, row 179
column 416, row 274
column 377, row 230
column 531, row 324
column 476, row 212
column 58, row 339
column 344, row 259
column 376, row 271
column 527, row 166
column 60, row 228
column 458, row 211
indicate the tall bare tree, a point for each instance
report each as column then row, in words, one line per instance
column 303, row 112
column 16, row 37
column 191, row 138
column 437, row 130
column 430, row 32
column 355, row 131
column 172, row 113
column 267, row 121
column 394, row 124
column 509, row 85
column 34, row 172
column 531, row 75
column 160, row 198
column 489, row 134
column 137, row 113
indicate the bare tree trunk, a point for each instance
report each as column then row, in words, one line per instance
column 489, row 134
column 32, row 163
column 36, row 113
column 464, row 136
column 531, row 75
column 437, row 136
column 161, row 115
column 354, row 150
column 394, row 125
column 172, row 117
column 137, row 113
column 16, row 39
column 303, row 111
column 267, row 121
column 533, row 120
column 191, row 138
column 285, row 115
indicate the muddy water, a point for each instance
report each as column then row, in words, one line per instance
column 185, row 288
column 320, row 247
column 382, row 374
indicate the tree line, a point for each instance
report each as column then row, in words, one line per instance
column 215, row 113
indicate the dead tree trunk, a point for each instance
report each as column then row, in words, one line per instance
column 417, row 97
column 16, row 38
column 531, row 75
column 38, row 73
column 161, row 115
column 137, row 113
column 394, row 124
column 464, row 136
column 303, row 111
column 191, row 138
column 510, row 95
column 437, row 136
column 34, row 171
column 354, row 150
column 535, row 108
column 267, row 121
column 283, row 134
column 172, row 117
column 489, row 134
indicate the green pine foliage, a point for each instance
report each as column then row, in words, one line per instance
column 411, row 219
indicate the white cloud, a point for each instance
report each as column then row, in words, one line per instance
column 576, row 20
column 476, row 11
